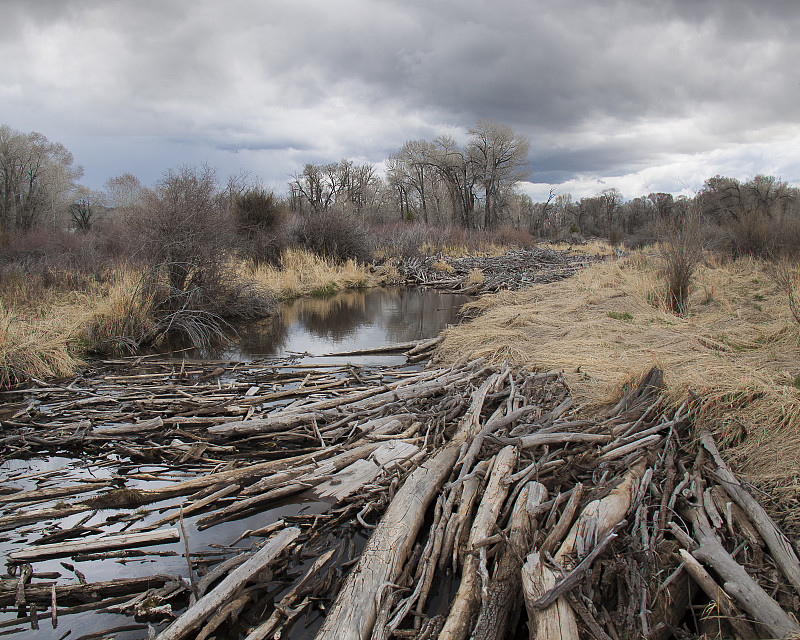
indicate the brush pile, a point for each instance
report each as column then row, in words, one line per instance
column 467, row 501
column 488, row 274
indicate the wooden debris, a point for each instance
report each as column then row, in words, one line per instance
column 209, row 603
column 101, row 544
column 513, row 270
column 487, row 482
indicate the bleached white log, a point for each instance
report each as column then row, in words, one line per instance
column 468, row 597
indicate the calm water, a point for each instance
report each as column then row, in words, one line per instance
column 348, row 321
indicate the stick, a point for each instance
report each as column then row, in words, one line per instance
column 209, row 603
column 114, row 541
column 780, row 548
column 457, row 625
column 738, row 582
column 723, row 601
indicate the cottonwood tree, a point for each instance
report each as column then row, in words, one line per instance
column 36, row 179
column 344, row 184
column 498, row 159
column 423, row 174
column 453, row 167
column 124, row 192
column 663, row 204
column 411, row 173
column 611, row 200
column 86, row 208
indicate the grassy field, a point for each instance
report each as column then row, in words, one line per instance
column 735, row 355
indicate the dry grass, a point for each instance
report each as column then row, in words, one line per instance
column 35, row 347
column 475, row 276
column 304, row 273
column 737, row 348
column 119, row 314
column 442, row 266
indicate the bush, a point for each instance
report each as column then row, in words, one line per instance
column 184, row 230
column 400, row 239
column 332, row 234
column 681, row 252
column 186, row 233
column 749, row 235
column 259, row 215
column 511, row 236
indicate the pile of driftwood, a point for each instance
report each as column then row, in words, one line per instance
column 468, row 501
column 512, row 270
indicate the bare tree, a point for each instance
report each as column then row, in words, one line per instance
column 86, row 208
column 411, row 167
column 453, row 167
column 663, row 204
column 124, row 193
column 36, row 178
column 611, row 199
column 349, row 186
column 497, row 158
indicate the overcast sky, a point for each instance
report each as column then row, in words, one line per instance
column 643, row 95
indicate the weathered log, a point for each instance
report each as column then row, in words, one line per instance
column 351, row 478
column 43, row 593
column 780, row 548
column 38, row 515
column 52, row 492
column 541, row 439
column 265, row 629
column 505, row 593
column 723, row 601
column 737, row 582
column 386, row 348
column 281, row 420
column 468, row 596
column 193, row 507
column 119, row 429
column 208, row 604
column 353, row 613
column 597, row 519
column 114, row 541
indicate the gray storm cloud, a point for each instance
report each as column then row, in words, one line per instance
column 604, row 90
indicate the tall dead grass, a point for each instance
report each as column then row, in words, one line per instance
column 302, row 272
column 736, row 349
column 120, row 315
column 34, row 347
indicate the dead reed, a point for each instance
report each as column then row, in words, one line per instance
column 33, row 348
column 302, row 272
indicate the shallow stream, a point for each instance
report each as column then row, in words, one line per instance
column 349, row 321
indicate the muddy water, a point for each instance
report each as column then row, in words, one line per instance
column 306, row 330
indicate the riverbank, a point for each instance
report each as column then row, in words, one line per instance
column 49, row 320
column 734, row 356
column 47, row 327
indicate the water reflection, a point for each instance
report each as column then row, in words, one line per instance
column 349, row 320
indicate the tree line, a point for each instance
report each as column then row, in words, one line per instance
column 439, row 182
